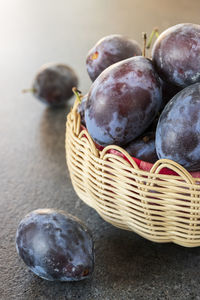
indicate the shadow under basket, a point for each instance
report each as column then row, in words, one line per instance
column 161, row 204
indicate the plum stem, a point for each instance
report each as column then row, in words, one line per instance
column 31, row 90
column 153, row 33
column 77, row 93
column 144, row 44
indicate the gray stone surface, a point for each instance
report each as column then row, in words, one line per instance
column 33, row 171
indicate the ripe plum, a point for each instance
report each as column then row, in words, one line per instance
column 178, row 129
column 109, row 50
column 123, row 101
column 55, row 245
column 175, row 54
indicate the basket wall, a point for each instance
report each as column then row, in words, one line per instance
column 161, row 208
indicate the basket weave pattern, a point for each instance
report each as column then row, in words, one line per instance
column 159, row 207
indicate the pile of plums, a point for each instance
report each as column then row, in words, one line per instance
column 150, row 107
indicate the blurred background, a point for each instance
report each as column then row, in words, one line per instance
column 33, row 170
column 35, row 32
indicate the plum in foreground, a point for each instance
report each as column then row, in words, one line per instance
column 55, row 245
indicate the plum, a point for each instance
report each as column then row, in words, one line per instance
column 53, row 84
column 55, row 245
column 109, row 50
column 123, row 101
column 175, row 54
column 178, row 129
column 143, row 147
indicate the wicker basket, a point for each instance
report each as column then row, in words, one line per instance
column 160, row 207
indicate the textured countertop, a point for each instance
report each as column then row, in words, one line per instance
column 33, row 172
